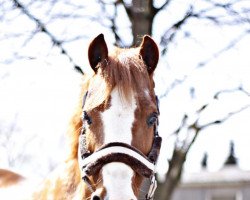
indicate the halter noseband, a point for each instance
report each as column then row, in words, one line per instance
column 91, row 163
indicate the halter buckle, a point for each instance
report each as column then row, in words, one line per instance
column 152, row 188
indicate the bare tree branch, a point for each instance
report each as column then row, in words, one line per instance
column 231, row 45
column 41, row 27
column 170, row 34
column 113, row 27
column 244, row 91
column 222, row 120
column 182, row 146
column 232, row 15
column 175, row 83
column 165, row 4
column 239, row 88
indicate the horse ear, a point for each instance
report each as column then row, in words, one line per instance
column 149, row 53
column 97, row 52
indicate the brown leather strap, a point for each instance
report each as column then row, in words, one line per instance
column 136, row 165
column 155, row 150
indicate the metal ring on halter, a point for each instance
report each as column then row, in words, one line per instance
column 152, row 188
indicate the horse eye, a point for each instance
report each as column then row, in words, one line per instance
column 152, row 119
column 87, row 118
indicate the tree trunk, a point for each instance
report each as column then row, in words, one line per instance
column 165, row 190
column 141, row 17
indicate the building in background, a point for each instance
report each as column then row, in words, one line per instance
column 229, row 183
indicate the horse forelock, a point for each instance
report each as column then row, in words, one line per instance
column 124, row 70
column 127, row 72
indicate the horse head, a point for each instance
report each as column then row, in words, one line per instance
column 119, row 143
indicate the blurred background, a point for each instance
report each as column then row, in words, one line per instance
column 202, row 80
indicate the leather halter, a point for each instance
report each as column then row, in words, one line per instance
column 144, row 165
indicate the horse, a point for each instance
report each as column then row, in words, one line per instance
column 113, row 137
column 9, row 178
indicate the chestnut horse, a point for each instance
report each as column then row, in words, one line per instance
column 113, row 136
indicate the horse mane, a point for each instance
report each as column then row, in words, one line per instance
column 124, row 70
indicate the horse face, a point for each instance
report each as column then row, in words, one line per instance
column 120, row 107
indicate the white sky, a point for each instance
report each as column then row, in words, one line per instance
column 41, row 93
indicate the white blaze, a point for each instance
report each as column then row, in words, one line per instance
column 118, row 121
column 117, row 179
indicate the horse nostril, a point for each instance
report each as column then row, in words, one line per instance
column 96, row 197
